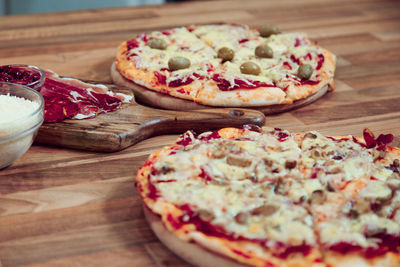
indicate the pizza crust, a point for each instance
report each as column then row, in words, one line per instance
column 333, row 259
column 165, row 101
column 190, row 252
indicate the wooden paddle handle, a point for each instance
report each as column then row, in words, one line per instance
column 201, row 120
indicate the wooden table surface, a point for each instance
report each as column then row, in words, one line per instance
column 60, row 207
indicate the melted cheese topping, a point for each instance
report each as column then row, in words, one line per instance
column 201, row 44
column 280, row 188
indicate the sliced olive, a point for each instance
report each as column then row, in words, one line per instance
column 226, row 54
column 265, row 210
column 250, row 68
column 157, row 44
column 305, row 71
column 268, row 29
column 178, row 63
column 264, row 51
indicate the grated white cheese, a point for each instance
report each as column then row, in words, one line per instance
column 16, row 117
column 15, row 114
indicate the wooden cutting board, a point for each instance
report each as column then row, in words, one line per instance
column 163, row 101
column 133, row 123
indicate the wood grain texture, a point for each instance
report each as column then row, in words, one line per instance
column 133, row 123
column 61, row 207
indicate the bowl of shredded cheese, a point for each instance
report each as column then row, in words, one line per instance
column 21, row 114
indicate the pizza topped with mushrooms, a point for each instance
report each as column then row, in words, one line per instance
column 266, row 197
column 227, row 65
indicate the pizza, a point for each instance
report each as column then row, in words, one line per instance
column 266, row 197
column 226, row 65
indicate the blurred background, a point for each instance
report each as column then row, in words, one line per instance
column 13, row 7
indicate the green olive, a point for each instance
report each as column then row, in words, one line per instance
column 178, row 63
column 264, row 51
column 157, row 44
column 304, row 72
column 268, row 29
column 250, row 68
column 226, row 54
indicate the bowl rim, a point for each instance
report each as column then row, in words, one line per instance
column 41, row 72
column 33, row 114
column 23, row 133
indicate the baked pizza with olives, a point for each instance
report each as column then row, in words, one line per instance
column 266, row 197
column 226, row 65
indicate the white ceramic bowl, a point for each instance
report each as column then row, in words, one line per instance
column 17, row 136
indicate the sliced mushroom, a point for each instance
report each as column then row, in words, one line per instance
column 334, row 169
column 330, row 187
column 353, row 214
column 372, row 230
column 290, row 164
column 317, row 197
column 265, row 210
column 396, row 163
column 310, row 135
column 166, row 169
column 238, row 161
column 218, row 153
column 241, row 217
column 377, row 154
column 394, row 181
column 361, row 205
column 376, row 192
column 316, row 154
column 206, row 215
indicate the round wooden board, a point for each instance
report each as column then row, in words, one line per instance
column 190, row 252
column 163, row 101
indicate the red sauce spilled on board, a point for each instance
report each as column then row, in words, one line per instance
column 225, row 85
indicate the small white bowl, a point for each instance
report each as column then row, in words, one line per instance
column 17, row 136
